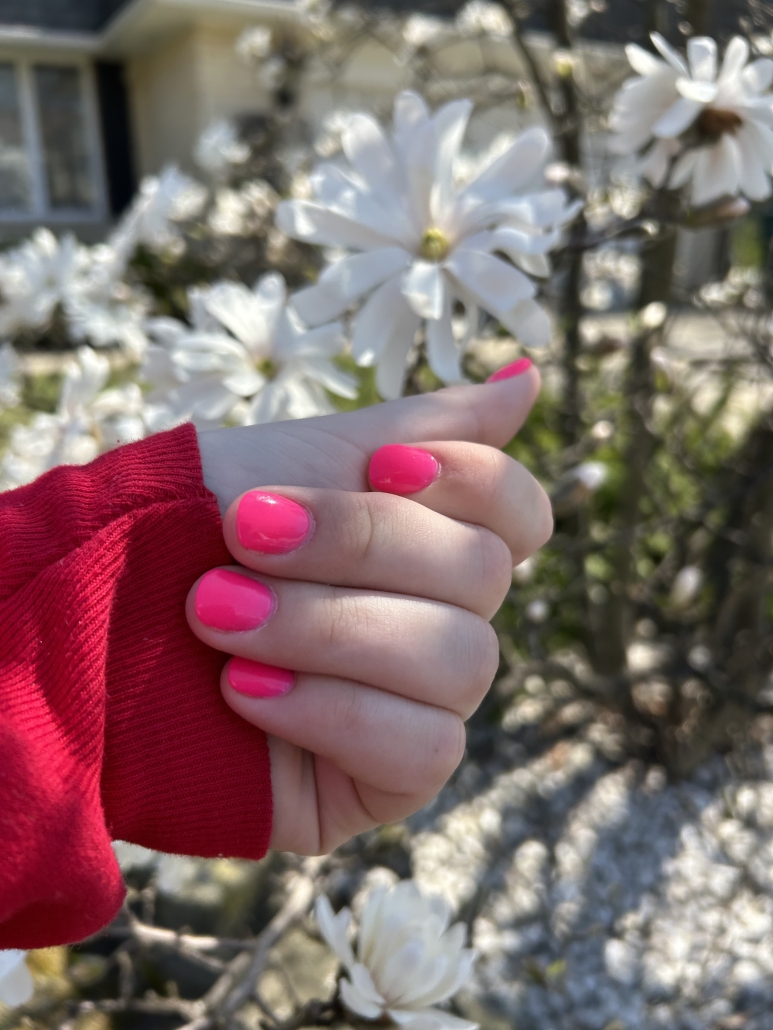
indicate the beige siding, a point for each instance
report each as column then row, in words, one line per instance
column 165, row 88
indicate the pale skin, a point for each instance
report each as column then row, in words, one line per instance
column 383, row 613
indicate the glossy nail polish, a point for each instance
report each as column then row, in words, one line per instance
column 517, row 368
column 233, row 603
column 254, row 679
column 271, row 524
column 396, row 469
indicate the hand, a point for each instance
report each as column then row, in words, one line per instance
column 380, row 603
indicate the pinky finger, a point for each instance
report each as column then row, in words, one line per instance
column 383, row 741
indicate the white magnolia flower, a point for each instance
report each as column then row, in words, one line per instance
column 161, row 201
column 45, row 275
column 15, row 978
column 248, row 356
column 479, row 17
column 87, row 421
column 425, row 243
column 708, row 126
column 219, row 148
column 35, row 278
column 408, row 959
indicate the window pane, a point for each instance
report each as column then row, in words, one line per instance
column 14, row 167
column 63, row 132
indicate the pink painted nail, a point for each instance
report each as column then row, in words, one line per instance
column 254, row 679
column 233, row 603
column 271, row 524
column 510, row 371
column 397, row 469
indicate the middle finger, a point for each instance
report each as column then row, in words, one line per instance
column 425, row 650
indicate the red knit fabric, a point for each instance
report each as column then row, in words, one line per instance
column 111, row 720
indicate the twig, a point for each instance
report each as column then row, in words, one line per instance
column 237, row 984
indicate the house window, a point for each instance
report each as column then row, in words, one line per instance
column 14, row 166
column 49, row 150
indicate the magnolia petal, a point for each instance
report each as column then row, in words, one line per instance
column 450, row 124
column 347, row 280
column 758, row 76
column 424, row 288
column 717, row 172
column 655, row 163
column 683, row 169
column 456, row 977
column 528, row 322
column 514, row 242
column 536, row 265
column 415, row 991
column 702, row 58
column 342, row 384
column 324, row 341
column 410, row 112
column 736, row 56
column 445, row 1021
column 641, row 60
column 492, row 282
column 513, row 169
column 270, row 292
column 677, row 118
column 443, row 352
column 697, row 90
column 302, row 397
column 16, row 986
column 674, row 59
column 363, row 983
column 369, row 923
column 334, row 928
column 355, row 1002
column 370, row 154
column 391, row 367
column 267, row 406
column 239, row 310
column 340, row 191
column 754, row 177
column 374, row 323
column 314, row 223
column 246, row 382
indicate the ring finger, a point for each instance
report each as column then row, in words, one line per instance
column 425, row 650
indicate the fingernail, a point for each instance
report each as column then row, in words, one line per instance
column 233, row 603
column 254, row 679
column 271, row 524
column 510, row 371
column 397, row 469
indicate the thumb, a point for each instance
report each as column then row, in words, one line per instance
column 489, row 413
column 333, row 451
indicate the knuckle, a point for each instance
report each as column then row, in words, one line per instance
column 477, row 670
column 370, row 526
column 496, row 565
column 444, row 750
column 490, row 466
column 543, row 517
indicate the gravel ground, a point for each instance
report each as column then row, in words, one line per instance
column 600, row 896
column 609, row 899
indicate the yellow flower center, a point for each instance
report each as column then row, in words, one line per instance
column 267, row 368
column 435, row 245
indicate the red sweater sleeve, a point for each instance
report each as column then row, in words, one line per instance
column 112, row 725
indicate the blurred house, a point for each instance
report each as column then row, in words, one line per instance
column 95, row 94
